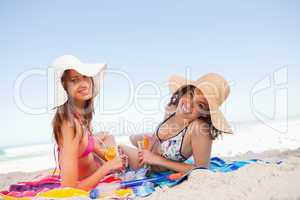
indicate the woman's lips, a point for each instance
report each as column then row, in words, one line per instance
column 83, row 91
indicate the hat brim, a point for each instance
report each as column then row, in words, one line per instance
column 218, row 119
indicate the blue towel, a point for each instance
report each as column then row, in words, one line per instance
column 219, row 165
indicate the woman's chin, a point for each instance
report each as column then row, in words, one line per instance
column 88, row 97
column 84, row 97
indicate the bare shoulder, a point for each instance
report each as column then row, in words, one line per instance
column 71, row 130
column 199, row 128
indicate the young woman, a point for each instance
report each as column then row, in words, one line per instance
column 193, row 120
column 79, row 151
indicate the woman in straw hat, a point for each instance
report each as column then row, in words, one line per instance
column 79, row 152
column 193, row 120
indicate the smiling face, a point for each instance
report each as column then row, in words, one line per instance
column 192, row 104
column 78, row 86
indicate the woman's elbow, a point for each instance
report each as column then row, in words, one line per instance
column 69, row 180
column 76, row 185
column 71, row 184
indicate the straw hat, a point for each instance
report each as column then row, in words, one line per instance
column 62, row 63
column 215, row 89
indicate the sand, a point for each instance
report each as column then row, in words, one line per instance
column 255, row 181
column 13, row 177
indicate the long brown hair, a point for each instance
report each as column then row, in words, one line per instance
column 65, row 113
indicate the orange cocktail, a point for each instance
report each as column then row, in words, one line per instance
column 110, row 153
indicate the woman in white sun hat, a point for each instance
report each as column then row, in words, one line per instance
column 193, row 120
column 79, row 151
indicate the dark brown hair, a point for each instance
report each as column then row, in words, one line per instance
column 180, row 93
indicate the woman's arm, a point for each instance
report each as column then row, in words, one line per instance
column 201, row 143
column 108, row 167
column 68, row 155
column 148, row 157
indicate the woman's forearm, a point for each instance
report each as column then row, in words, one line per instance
column 89, row 182
column 100, row 152
column 175, row 166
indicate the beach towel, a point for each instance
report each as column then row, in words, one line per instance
column 32, row 188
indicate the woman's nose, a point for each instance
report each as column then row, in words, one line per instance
column 83, row 84
column 188, row 103
column 189, row 99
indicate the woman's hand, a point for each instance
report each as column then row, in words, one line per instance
column 117, row 164
column 147, row 157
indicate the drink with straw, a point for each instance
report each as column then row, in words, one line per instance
column 111, row 153
column 144, row 144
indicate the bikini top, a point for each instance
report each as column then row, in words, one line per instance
column 90, row 147
column 171, row 147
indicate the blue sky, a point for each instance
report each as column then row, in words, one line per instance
column 244, row 41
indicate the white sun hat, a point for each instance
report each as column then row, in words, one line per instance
column 62, row 63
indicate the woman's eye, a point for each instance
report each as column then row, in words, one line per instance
column 86, row 78
column 201, row 106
